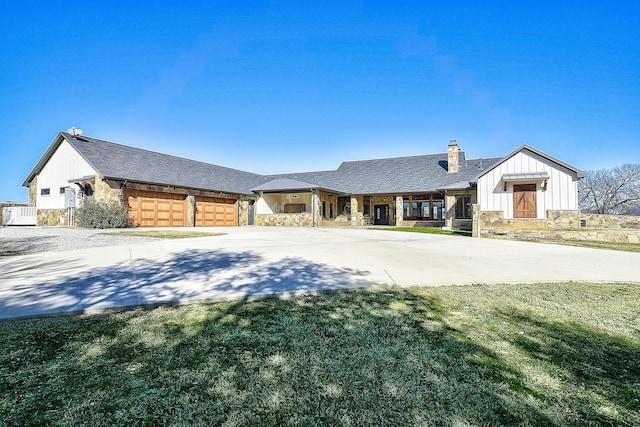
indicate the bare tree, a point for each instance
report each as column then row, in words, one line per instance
column 611, row 191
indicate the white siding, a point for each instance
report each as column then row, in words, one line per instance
column 561, row 192
column 64, row 164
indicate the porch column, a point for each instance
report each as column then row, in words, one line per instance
column 357, row 217
column 316, row 208
column 475, row 224
column 450, row 210
column 399, row 211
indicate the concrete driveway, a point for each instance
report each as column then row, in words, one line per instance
column 260, row 260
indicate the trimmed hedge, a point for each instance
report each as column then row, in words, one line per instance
column 98, row 214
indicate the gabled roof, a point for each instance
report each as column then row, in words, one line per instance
column 122, row 162
column 524, row 147
column 411, row 174
column 287, row 184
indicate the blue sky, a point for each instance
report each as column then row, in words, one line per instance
column 275, row 87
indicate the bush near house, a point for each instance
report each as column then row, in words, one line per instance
column 98, row 214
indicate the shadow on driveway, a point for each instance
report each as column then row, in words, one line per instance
column 191, row 275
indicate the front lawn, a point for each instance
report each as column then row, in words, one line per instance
column 546, row 354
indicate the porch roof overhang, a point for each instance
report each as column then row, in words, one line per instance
column 290, row 185
column 82, row 180
column 462, row 185
column 525, row 177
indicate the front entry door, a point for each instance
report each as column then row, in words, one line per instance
column 381, row 215
column 524, row 201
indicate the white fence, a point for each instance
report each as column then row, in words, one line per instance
column 19, row 215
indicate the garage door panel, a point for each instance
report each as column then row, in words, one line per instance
column 155, row 209
column 216, row 212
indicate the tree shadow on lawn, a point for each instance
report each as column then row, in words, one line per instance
column 191, row 275
column 602, row 369
column 342, row 358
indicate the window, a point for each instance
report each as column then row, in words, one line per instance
column 324, row 209
column 463, row 207
column 45, row 191
column 425, row 210
column 437, row 210
column 62, row 189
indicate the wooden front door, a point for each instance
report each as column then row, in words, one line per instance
column 381, row 214
column 524, row 201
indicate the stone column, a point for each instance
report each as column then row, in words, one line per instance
column 243, row 212
column 399, row 211
column 475, row 223
column 33, row 191
column 357, row 217
column 316, row 210
column 191, row 211
column 450, row 210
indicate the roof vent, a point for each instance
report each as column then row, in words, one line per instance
column 74, row 132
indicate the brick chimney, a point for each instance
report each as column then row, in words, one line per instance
column 454, row 155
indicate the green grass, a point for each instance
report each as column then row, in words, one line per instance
column 427, row 230
column 546, row 354
column 616, row 246
column 167, row 234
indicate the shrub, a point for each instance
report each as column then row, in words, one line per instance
column 98, row 214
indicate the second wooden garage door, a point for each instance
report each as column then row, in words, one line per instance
column 216, row 212
column 153, row 209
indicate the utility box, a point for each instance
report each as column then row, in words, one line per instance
column 69, row 197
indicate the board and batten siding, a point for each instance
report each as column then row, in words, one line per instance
column 561, row 192
column 65, row 164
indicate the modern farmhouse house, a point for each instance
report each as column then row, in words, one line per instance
column 160, row 190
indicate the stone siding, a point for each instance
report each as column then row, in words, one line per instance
column 243, row 212
column 53, row 217
column 494, row 221
column 285, row 220
column 560, row 225
column 33, row 191
column 610, row 235
column 107, row 191
column 611, row 221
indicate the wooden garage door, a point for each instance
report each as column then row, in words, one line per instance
column 524, row 201
column 215, row 212
column 153, row 209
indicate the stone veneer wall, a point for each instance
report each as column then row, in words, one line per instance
column 33, row 191
column 243, row 212
column 560, row 225
column 608, row 235
column 53, row 217
column 611, row 221
column 285, row 220
column 493, row 221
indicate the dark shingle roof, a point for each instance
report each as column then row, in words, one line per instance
column 411, row 174
column 286, row 184
column 122, row 162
